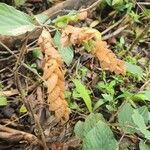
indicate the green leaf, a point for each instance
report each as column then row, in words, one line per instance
column 19, row 2
column 145, row 113
column 100, row 138
column 99, row 103
column 36, row 53
column 82, row 128
column 62, row 21
column 3, row 101
column 146, row 12
column 22, row 109
column 14, row 22
column 135, row 70
column 143, row 95
column 107, row 97
column 115, row 2
column 89, row 45
column 109, row 2
column 42, row 19
column 144, row 146
column 65, row 52
column 125, row 118
column 95, row 134
column 81, row 89
column 139, row 122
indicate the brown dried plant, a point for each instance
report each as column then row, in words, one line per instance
column 53, row 74
column 75, row 35
column 108, row 60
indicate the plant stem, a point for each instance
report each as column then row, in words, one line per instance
column 144, row 32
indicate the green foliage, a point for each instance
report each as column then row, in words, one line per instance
column 146, row 12
column 65, row 52
column 62, row 21
column 19, row 2
column 23, row 109
column 42, row 19
column 120, row 44
column 140, row 96
column 14, row 22
column 125, row 118
column 134, row 70
column 89, row 45
column 134, row 120
column 83, row 93
column 134, row 16
column 109, row 96
column 139, row 122
column 144, row 146
column 3, row 101
column 106, row 98
column 107, row 87
column 36, row 53
column 120, row 5
column 95, row 134
column 143, row 95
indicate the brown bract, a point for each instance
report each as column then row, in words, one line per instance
column 75, row 35
column 82, row 15
column 54, row 76
column 108, row 60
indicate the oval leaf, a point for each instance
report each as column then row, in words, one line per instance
column 14, row 22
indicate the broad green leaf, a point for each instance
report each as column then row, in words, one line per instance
column 125, row 118
column 144, row 113
column 14, row 22
column 65, row 52
column 95, row 134
column 143, row 146
column 100, row 138
column 139, row 122
column 22, row 109
column 3, row 101
column 82, row 128
column 134, row 119
column 81, row 89
column 135, row 70
column 19, row 2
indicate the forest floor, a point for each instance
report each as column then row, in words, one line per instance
column 108, row 109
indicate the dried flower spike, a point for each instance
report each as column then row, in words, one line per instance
column 54, row 76
column 108, row 59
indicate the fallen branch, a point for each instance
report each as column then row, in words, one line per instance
column 13, row 135
column 60, row 8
